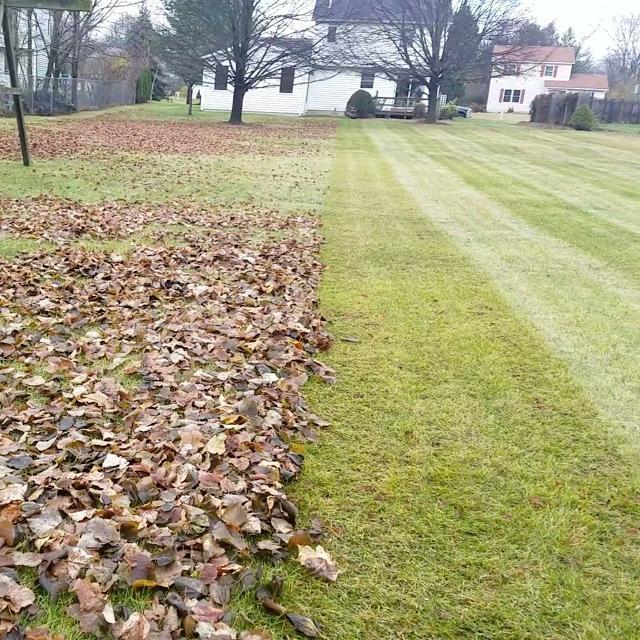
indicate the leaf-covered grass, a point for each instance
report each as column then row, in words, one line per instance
column 260, row 185
column 287, row 183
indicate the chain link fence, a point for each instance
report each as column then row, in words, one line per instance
column 52, row 96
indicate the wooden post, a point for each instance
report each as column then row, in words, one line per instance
column 13, row 77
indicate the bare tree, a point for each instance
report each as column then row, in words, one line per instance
column 247, row 43
column 584, row 59
column 437, row 41
column 62, row 35
column 183, row 64
column 623, row 61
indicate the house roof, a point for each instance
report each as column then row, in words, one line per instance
column 550, row 55
column 292, row 45
column 584, row 81
column 351, row 10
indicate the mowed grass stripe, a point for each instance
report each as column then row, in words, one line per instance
column 551, row 170
column 616, row 246
column 586, row 311
column 588, row 145
column 471, row 489
column 514, row 139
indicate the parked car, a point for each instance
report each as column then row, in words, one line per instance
column 463, row 112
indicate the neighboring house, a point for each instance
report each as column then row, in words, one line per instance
column 325, row 87
column 526, row 72
column 32, row 56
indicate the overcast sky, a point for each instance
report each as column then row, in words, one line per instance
column 584, row 16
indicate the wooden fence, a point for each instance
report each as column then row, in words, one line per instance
column 557, row 108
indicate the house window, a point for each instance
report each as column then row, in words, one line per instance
column 512, row 69
column 331, row 34
column 512, row 95
column 550, row 71
column 222, row 76
column 367, row 79
column 287, row 77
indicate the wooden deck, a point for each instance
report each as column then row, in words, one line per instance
column 391, row 107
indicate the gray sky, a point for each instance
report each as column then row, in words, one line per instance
column 584, row 16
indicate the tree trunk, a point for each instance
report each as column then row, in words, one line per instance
column 236, row 105
column 30, row 48
column 75, row 61
column 190, row 98
column 434, row 96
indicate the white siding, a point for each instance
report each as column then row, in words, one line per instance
column 264, row 99
column 532, row 86
column 355, row 45
column 39, row 56
column 326, row 93
column 564, row 72
column 330, row 91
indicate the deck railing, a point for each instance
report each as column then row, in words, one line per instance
column 402, row 107
column 386, row 104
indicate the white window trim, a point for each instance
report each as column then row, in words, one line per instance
column 511, row 93
column 549, row 66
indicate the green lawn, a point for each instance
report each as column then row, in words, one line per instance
column 481, row 471
column 480, row 477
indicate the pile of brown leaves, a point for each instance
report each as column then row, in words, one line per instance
column 104, row 137
column 61, row 220
column 151, row 412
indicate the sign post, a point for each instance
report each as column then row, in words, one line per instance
column 14, row 90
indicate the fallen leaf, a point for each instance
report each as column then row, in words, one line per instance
column 216, row 445
column 14, row 595
column 318, row 562
column 111, row 461
column 44, row 522
column 255, row 634
column 136, row 627
column 306, row 626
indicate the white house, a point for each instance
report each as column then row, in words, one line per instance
column 319, row 92
column 32, row 54
column 525, row 72
column 325, row 89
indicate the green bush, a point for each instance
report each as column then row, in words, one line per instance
column 143, row 86
column 583, row 119
column 448, row 112
column 419, row 110
column 360, row 105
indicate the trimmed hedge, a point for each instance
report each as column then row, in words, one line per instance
column 360, row 105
